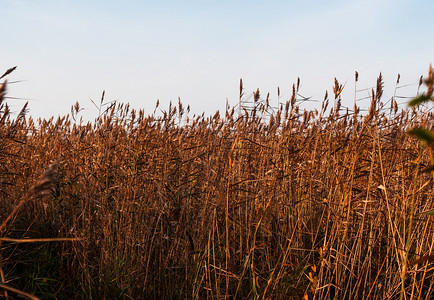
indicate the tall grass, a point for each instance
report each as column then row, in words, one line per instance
column 253, row 203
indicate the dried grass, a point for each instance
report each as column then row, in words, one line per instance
column 273, row 203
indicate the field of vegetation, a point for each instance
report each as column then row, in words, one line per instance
column 252, row 203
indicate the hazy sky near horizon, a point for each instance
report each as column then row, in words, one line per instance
column 141, row 51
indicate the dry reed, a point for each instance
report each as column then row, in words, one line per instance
column 270, row 203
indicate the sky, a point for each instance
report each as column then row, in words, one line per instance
column 141, row 51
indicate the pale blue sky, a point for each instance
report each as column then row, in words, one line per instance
column 141, row 51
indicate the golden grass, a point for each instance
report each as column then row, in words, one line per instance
column 265, row 204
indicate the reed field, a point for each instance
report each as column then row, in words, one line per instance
column 252, row 203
